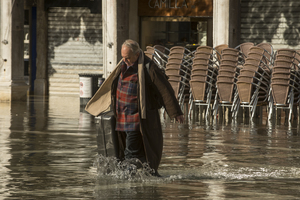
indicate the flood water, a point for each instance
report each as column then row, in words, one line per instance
column 48, row 150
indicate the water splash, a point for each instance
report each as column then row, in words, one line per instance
column 126, row 170
column 129, row 169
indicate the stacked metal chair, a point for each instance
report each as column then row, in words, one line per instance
column 255, row 77
column 244, row 50
column 178, row 69
column 285, row 88
column 203, row 78
column 226, row 79
column 159, row 54
column 218, row 49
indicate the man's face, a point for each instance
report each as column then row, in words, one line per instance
column 128, row 56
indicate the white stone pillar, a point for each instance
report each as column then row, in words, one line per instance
column 109, row 30
column 220, row 22
column 5, row 63
column 115, row 20
column 12, row 82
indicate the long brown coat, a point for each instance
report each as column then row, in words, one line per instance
column 150, row 125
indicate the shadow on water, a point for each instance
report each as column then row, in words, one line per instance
column 50, row 149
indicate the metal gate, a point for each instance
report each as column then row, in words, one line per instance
column 74, row 47
column 273, row 21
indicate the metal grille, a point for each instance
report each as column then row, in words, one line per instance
column 272, row 21
column 74, row 47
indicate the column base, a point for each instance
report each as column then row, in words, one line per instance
column 5, row 94
column 41, row 87
column 13, row 91
column 19, row 90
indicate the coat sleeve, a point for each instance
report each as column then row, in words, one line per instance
column 166, row 91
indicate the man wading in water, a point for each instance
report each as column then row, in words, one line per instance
column 138, row 90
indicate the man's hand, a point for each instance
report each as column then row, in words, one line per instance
column 179, row 119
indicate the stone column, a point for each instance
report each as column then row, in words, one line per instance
column 115, row 21
column 220, row 22
column 13, row 86
column 5, row 61
column 109, row 36
column 41, row 81
column 19, row 88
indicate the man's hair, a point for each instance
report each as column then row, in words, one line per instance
column 133, row 45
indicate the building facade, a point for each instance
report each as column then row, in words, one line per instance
column 46, row 44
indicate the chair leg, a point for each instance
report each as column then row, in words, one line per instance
column 271, row 108
column 208, row 104
column 216, row 109
column 291, row 105
column 298, row 113
column 190, row 109
column 252, row 108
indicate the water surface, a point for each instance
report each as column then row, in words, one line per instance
column 48, row 150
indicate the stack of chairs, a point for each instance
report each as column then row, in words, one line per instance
column 203, row 78
column 178, row 69
column 159, row 54
column 255, row 77
column 268, row 48
column 226, row 79
column 218, row 50
column 244, row 50
column 285, row 81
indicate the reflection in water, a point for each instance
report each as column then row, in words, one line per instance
column 49, row 149
column 5, row 155
column 47, row 152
